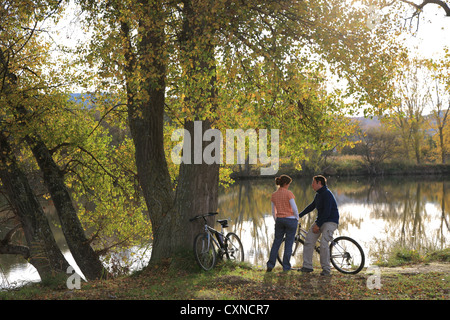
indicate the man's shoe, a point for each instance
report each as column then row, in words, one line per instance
column 325, row 273
column 269, row 269
column 303, row 269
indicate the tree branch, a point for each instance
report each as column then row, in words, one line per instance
column 419, row 7
column 7, row 248
column 15, row 249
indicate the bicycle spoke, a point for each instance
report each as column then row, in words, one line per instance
column 347, row 255
column 234, row 249
column 204, row 251
column 344, row 258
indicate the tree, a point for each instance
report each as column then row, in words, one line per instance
column 216, row 60
column 41, row 250
column 420, row 6
column 413, row 96
column 79, row 246
column 376, row 146
column 440, row 103
column 27, row 95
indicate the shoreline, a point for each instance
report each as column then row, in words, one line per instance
column 339, row 170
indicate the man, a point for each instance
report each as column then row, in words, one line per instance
column 325, row 224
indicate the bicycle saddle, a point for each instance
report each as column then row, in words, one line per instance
column 223, row 222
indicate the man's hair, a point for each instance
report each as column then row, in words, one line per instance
column 321, row 179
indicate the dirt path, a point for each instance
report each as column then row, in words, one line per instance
column 418, row 268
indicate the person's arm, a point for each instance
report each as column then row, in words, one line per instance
column 308, row 209
column 274, row 211
column 294, row 208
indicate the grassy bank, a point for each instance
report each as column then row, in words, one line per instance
column 242, row 282
column 400, row 256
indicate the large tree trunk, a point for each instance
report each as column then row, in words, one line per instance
column 197, row 193
column 197, row 183
column 146, row 121
column 41, row 250
column 79, row 246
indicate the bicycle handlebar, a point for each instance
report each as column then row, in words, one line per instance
column 203, row 216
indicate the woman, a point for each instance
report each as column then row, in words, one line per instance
column 285, row 213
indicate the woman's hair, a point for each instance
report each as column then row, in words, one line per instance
column 283, row 180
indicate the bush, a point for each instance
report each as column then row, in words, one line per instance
column 440, row 255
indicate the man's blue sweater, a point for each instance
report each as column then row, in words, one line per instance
column 326, row 206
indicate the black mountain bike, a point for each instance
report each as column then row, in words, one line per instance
column 346, row 254
column 211, row 243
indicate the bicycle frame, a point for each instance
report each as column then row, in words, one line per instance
column 229, row 244
column 300, row 237
column 211, row 233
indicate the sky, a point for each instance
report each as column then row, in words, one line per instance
column 433, row 33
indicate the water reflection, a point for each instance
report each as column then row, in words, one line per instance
column 378, row 213
column 14, row 271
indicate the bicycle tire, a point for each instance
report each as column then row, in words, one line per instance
column 204, row 251
column 281, row 249
column 346, row 255
column 234, row 250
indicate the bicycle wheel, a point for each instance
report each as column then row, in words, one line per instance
column 294, row 249
column 204, row 251
column 234, row 249
column 346, row 255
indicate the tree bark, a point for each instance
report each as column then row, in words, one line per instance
column 41, row 250
column 79, row 246
column 146, row 121
column 197, row 187
column 197, row 193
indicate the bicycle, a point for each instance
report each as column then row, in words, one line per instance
column 206, row 242
column 346, row 255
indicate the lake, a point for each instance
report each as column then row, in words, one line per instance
column 380, row 213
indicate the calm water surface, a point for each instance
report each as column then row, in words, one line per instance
column 379, row 213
